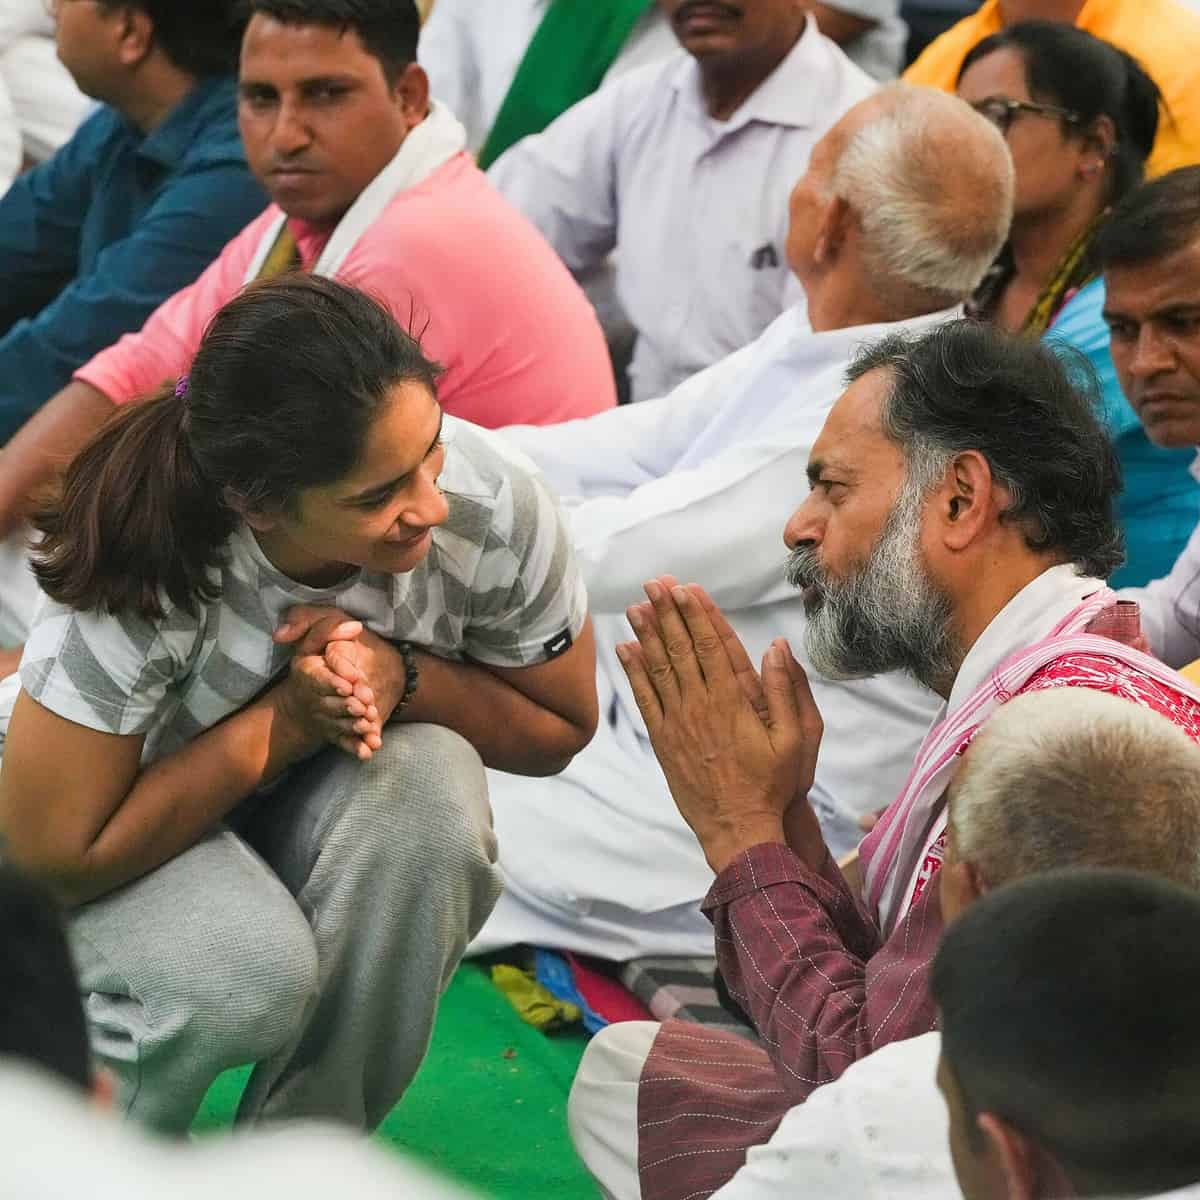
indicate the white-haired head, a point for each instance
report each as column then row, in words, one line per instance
column 1071, row 777
column 931, row 182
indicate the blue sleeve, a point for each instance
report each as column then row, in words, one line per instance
column 181, row 234
column 41, row 218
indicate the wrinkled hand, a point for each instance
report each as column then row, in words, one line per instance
column 328, row 704
column 736, row 748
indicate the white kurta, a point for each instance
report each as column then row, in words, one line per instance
column 471, row 50
column 698, row 484
column 1171, row 605
column 697, row 209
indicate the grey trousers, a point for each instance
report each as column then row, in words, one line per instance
column 315, row 941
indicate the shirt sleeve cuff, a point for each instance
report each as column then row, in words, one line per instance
column 762, row 867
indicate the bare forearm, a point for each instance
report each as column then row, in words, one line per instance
column 45, row 446
column 510, row 731
column 178, row 799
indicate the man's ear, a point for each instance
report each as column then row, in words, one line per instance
column 411, row 91
column 136, row 36
column 836, row 216
column 965, row 504
column 1027, row 1170
column 1013, row 1153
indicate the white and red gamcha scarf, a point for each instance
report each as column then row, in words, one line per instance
column 1060, row 613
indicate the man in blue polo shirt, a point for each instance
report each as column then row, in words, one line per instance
column 136, row 204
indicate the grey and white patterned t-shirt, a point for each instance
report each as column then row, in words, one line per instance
column 499, row 585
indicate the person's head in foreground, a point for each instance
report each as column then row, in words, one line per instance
column 1149, row 251
column 330, row 90
column 905, row 204
column 1070, row 1048
column 118, row 51
column 308, row 414
column 41, row 1015
column 955, row 469
column 1079, row 116
column 1070, row 776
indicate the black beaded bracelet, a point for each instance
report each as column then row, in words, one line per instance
column 412, row 674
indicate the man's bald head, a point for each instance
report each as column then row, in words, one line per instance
column 931, row 182
column 925, row 183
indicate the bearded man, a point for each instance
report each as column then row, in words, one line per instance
column 959, row 526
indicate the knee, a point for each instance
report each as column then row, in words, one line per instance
column 254, row 986
column 433, row 788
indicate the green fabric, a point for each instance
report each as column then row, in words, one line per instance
column 571, row 52
column 489, row 1105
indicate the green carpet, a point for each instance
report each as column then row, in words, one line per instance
column 489, row 1104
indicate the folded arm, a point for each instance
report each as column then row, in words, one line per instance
column 77, row 809
column 525, row 720
column 172, row 243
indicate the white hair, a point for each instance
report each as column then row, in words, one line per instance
column 1071, row 777
column 932, row 183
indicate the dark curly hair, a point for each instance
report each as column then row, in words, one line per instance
column 1030, row 413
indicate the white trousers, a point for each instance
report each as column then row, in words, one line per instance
column 602, row 1112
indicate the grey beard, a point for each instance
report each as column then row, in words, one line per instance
column 886, row 616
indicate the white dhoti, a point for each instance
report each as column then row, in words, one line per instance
column 598, row 860
column 602, row 1112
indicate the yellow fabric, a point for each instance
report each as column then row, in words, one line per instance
column 1192, row 672
column 535, row 1005
column 284, row 256
column 1162, row 35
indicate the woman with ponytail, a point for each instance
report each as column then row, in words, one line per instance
column 1080, row 118
column 291, row 612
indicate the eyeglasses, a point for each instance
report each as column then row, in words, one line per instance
column 1002, row 112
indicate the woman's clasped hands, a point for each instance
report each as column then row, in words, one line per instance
column 342, row 686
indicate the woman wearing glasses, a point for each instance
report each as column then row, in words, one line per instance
column 1080, row 118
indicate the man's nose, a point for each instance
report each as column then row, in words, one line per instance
column 805, row 526
column 290, row 133
column 1152, row 354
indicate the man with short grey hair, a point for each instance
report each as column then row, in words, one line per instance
column 598, row 860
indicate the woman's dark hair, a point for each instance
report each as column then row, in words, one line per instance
column 201, row 37
column 281, row 395
column 1071, row 69
column 389, row 29
column 1068, row 1010
column 1028, row 411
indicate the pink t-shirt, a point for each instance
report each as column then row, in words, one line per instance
column 518, row 339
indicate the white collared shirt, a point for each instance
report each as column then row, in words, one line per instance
column 471, row 50
column 699, row 484
column 1171, row 605
column 697, row 209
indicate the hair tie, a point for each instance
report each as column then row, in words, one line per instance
column 181, row 388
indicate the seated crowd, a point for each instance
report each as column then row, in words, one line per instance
column 634, row 478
